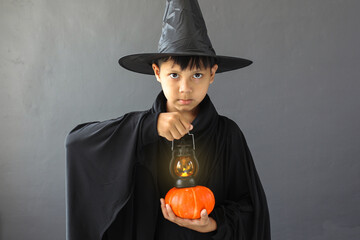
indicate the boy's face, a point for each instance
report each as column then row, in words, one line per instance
column 184, row 89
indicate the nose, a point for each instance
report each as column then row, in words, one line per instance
column 185, row 86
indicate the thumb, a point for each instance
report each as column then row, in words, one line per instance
column 204, row 218
column 204, row 213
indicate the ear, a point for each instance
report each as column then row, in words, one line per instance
column 156, row 71
column 212, row 73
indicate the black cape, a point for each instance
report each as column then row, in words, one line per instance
column 117, row 170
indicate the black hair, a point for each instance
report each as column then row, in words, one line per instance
column 189, row 61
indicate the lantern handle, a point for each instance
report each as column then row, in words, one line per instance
column 193, row 140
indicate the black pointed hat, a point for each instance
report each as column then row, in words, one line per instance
column 184, row 33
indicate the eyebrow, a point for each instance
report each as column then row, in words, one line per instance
column 194, row 70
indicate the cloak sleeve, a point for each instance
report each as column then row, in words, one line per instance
column 100, row 161
column 244, row 215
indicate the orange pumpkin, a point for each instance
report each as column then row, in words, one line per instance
column 188, row 202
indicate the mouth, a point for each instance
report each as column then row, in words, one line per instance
column 185, row 101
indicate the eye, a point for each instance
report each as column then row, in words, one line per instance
column 174, row 75
column 198, row 75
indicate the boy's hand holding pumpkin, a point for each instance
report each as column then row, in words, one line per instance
column 204, row 224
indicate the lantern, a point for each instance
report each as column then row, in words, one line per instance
column 183, row 165
column 186, row 199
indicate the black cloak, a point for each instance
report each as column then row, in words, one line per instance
column 117, row 170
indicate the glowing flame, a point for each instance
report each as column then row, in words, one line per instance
column 184, row 174
column 184, row 167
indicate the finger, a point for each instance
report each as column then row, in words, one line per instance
column 175, row 133
column 187, row 125
column 204, row 217
column 181, row 128
column 171, row 214
column 163, row 209
column 169, row 136
column 175, row 219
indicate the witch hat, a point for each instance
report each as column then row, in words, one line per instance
column 184, row 33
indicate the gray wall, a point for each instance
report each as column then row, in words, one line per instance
column 298, row 104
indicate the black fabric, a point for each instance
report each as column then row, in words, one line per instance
column 117, row 170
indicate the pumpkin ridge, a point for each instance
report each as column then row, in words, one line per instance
column 195, row 203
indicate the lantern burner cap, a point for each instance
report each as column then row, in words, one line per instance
column 185, row 182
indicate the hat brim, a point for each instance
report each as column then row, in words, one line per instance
column 141, row 63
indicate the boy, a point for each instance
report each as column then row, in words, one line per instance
column 117, row 170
